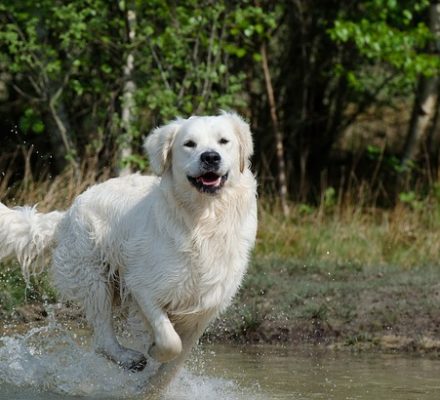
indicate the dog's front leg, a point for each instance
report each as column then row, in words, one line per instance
column 167, row 344
column 190, row 327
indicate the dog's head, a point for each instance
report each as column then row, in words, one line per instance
column 204, row 152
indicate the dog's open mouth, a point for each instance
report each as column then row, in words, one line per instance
column 210, row 182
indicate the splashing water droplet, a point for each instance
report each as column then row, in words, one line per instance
column 55, row 359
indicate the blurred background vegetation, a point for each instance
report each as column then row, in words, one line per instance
column 342, row 98
column 340, row 94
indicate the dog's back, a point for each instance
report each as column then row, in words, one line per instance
column 90, row 240
column 29, row 235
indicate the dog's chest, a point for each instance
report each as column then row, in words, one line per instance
column 211, row 271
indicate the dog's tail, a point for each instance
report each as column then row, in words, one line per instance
column 28, row 235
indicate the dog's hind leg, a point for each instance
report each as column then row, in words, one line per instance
column 98, row 309
column 87, row 283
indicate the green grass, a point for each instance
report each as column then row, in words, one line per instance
column 12, row 288
column 287, row 300
column 14, row 291
column 402, row 236
column 347, row 275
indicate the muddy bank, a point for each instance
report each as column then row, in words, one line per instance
column 341, row 306
column 282, row 301
column 408, row 338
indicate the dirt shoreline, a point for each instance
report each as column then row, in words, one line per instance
column 286, row 302
column 303, row 335
column 280, row 332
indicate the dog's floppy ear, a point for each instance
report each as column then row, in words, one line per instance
column 158, row 145
column 244, row 135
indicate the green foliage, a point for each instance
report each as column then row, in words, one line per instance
column 392, row 162
column 328, row 61
column 44, row 40
column 14, row 291
column 387, row 33
column 249, row 26
column 135, row 160
column 31, row 121
column 74, row 53
column 12, row 287
column 193, row 49
column 305, row 209
column 411, row 199
column 329, row 199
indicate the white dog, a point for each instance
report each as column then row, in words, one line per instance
column 174, row 248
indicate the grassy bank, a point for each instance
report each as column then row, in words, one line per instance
column 342, row 275
column 288, row 301
column 365, row 278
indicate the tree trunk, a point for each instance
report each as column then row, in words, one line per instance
column 128, row 101
column 433, row 139
column 56, row 117
column 425, row 103
column 279, row 146
column 60, row 134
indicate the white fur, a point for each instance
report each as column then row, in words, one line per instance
column 174, row 254
column 28, row 235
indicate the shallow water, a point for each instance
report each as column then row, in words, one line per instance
column 53, row 363
column 313, row 373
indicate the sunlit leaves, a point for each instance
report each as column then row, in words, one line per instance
column 31, row 121
column 386, row 32
column 190, row 52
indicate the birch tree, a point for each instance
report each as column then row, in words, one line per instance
column 426, row 101
column 277, row 133
column 128, row 117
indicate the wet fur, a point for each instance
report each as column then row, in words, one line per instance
column 178, row 255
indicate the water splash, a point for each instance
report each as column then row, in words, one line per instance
column 50, row 359
column 54, row 360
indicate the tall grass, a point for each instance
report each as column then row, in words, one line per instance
column 348, row 232
column 342, row 267
column 343, row 228
column 49, row 192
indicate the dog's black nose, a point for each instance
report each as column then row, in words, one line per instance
column 211, row 158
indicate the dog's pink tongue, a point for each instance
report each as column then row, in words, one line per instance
column 210, row 180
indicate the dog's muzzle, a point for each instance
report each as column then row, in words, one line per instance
column 210, row 180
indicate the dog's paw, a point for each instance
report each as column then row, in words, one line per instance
column 126, row 358
column 131, row 359
column 135, row 365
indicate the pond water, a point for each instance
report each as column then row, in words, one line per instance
column 53, row 363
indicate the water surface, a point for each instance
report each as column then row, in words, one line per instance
column 53, row 363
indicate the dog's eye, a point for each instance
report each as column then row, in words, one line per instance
column 190, row 143
column 223, row 141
